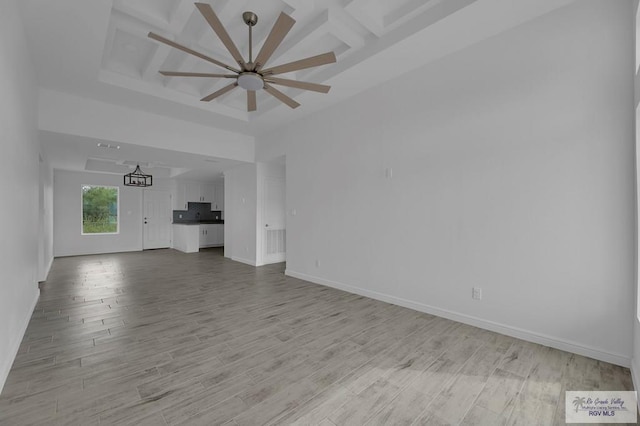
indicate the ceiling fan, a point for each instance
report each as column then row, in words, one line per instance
column 252, row 76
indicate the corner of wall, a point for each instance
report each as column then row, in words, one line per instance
column 245, row 261
column 47, row 269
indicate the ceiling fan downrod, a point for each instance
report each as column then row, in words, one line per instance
column 250, row 19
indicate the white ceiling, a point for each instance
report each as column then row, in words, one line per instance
column 99, row 49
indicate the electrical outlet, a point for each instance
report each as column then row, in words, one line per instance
column 476, row 293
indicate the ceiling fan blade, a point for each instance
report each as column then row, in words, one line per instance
column 220, row 92
column 313, row 61
column 280, row 29
column 195, row 74
column 190, row 51
column 281, row 96
column 299, row 84
column 251, row 100
column 207, row 11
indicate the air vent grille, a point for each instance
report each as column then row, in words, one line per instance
column 275, row 241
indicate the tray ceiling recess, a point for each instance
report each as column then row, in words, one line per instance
column 251, row 75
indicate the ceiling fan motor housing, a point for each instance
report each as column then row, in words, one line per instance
column 250, row 18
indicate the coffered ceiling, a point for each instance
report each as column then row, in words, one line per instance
column 99, row 49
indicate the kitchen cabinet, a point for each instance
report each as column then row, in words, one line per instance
column 211, row 235
column 218, row 199
column 180, row 199
column 207, row 192
column 199, row 192
column 185, row 238
column 193, row 192
column 189, row 238
column 220, row 235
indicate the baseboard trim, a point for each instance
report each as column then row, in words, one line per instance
column 516, row 332
column 245, row 261
column 72, row 254
column 4, row 372
column 46, row 275
column 46, row 271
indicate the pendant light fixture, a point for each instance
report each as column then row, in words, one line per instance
column 137, row 178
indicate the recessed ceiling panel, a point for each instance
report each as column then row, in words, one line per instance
column 129, row 54
column 369, row 37
column 157, row 9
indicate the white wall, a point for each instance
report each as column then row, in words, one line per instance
column 244, row 200
column 513, row 171
column 19, row 179
column 240, row 206
column 635, row 365
column 68, row 238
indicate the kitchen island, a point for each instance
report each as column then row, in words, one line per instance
column 190, row 236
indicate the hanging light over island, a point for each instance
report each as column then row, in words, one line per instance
column 137, row 178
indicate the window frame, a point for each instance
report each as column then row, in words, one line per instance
column 117, row 188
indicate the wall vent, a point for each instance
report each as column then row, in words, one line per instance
column 275, row 241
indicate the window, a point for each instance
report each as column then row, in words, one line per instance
column 99, row 209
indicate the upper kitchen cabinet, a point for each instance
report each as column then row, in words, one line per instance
column 207, row 192
column 218, row 200
column 180, row 199
column 199, row 192
column 193, row 192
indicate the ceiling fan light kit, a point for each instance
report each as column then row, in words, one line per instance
column 250, row 81
column 251, row 76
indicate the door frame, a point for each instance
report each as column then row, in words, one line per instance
column 144, row 227
column 280, row 257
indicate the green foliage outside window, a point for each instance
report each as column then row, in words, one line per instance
column 99, row 209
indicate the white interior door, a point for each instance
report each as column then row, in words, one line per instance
column 274, row 249
column 157, row 219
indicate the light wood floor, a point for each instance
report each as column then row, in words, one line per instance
column 161, row 337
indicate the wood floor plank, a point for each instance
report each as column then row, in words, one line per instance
column 162, row 337
column 91, row 404
column 519, row 358
column 404, row 409
column 480, row 416
column 366, row 404
column 499, row 394
column 319, row 407
column 271, row 409
column 541, row 392
column 203, row 401
column 470, row 381
column 219, row 414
